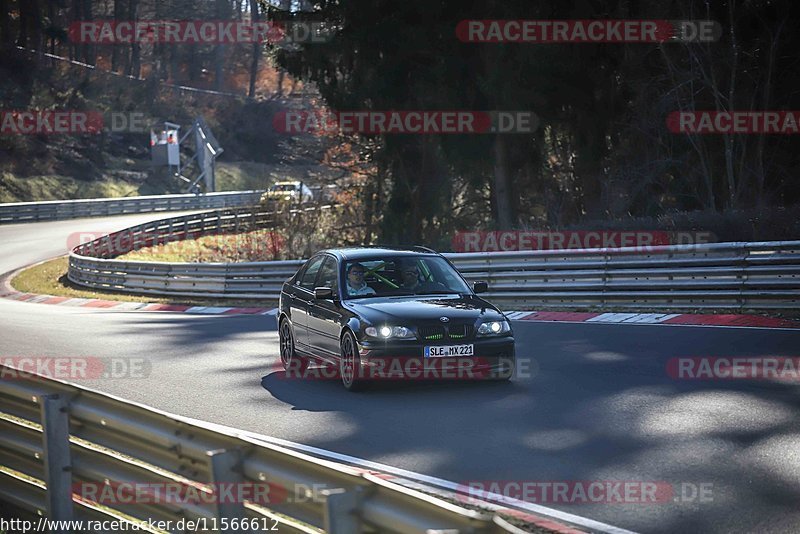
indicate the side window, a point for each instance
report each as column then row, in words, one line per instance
column 327, row 275
column 310, row 274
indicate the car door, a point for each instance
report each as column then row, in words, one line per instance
column 324, row 315
column 300, row 296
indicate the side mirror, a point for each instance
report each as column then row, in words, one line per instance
column 323, row 293
column 480, row 287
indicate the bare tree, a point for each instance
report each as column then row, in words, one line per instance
column 5, row 25
column 502, row 189
column 223, row 13
column 119, row 15
column 134, row 65
column 30, row 25
column 255, row 18
column 284, row 6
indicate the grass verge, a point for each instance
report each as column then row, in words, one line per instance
column 255, row 245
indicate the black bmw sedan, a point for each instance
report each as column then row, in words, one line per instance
column 377, row 313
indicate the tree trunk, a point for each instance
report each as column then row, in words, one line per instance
column 90, row 49
column 765, row 94
column 504, row 214
column 51, row 14
column 5, row 23
column 75, row 48
column 727, row 139
column 116, row 51
column 223, row 13
column 255, row 17
column 284, row 6
column 134, row 65
column 24, row 18
column 194, row 64
column 30, row 25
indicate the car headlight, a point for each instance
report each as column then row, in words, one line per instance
column 494, row 328
column 389, row 332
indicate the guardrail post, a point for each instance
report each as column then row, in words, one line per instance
column 606, row 261
column 57, row 464
column 745, row 253
column 226, row 469
column 342, row 511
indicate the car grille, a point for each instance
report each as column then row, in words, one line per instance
column 431, row 333
column 439, row 332
column 459, row 331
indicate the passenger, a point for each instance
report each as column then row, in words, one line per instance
column 355, row 281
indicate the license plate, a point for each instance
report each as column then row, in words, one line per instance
column 442, row 351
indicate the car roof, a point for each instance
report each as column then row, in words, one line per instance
column 361, row 253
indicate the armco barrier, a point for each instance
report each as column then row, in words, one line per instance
column 91, row 264
column 61, row 436
column 736, row 276
column 18, row 212
column 677, row 277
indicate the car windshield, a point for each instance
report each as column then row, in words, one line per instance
column 401, row 276
column 283, row 187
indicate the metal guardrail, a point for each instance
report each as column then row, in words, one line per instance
column 92, row 265
column 17, row 212
column 716, row 275
column 63, row 437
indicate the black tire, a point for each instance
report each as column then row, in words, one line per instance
column 350, row 364
column 292, row 362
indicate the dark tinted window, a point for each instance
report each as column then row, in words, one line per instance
column 309, row 276
column 328, row 275
column 409, row 275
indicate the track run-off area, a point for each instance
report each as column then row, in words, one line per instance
column 597, row 403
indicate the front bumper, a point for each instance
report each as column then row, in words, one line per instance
column 493, row 358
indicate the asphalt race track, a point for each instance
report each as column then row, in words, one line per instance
column 600, row 405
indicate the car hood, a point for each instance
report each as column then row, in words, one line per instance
column 423, row 308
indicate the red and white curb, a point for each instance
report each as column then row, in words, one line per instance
column 140, row 306
column 673, row 319
column 116, row 305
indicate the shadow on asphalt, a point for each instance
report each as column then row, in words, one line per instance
column 601, row 406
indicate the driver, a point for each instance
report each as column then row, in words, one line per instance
column 410, row 279
column 355, row 281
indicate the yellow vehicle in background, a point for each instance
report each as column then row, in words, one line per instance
column 293, row 192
